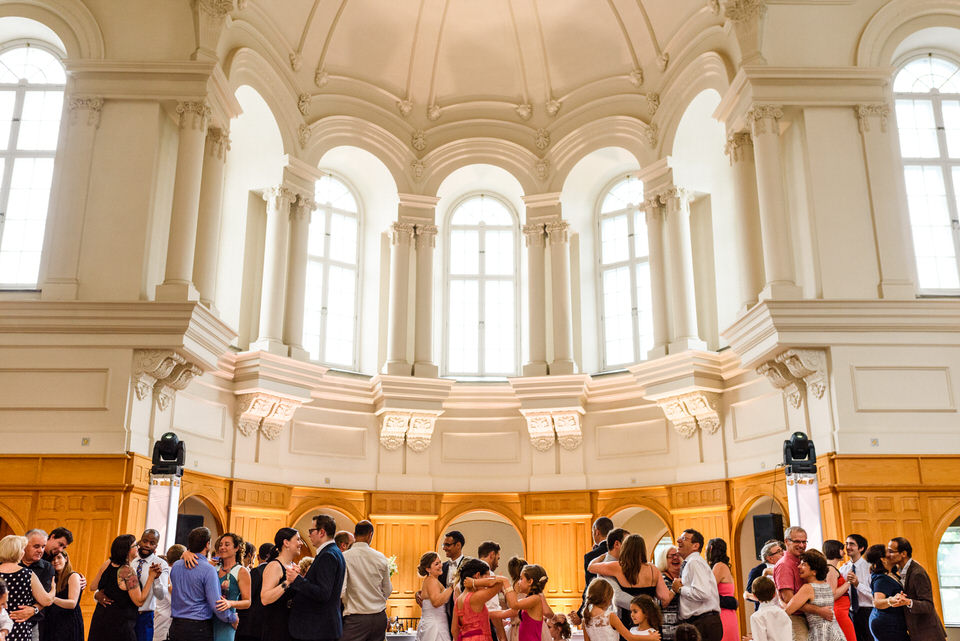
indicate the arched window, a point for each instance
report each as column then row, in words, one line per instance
column 32, row 81
column 927, row 94
column 330, row 305
column 625, row 307
column 948, row 569
column 481, row 334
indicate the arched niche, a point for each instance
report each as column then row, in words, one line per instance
column 201, row 506
column 305, row 522
column 478, row 526
column 76, row 30
column 898, row 20
column 648, row 524
column 744, row 555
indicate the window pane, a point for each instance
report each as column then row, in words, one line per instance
column 463, row 347
column 493, row 212
column 468, row 213
column 343, row 238
column 613, row 239
column 948, row 569
column 640, row 249
column 951, row 125
column 464, row 252
column 34, row 65
column 340, row 316
column 617, row 316
column 932, row 229
column 644, row 309
column 918, row 129
column 40, row 123
column 317, row 234
column 7, row 101
column 23, row 226
column 312, row 308
column 923, row 74
column 331, row 191
column 498, row 252
column 499, row 354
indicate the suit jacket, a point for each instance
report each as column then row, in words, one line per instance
column 315, row 611
column 922, row 620
column 448, row 606
column 599, row 550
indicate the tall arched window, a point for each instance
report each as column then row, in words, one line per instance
column 948, row 570
column 626, row 309
column 927, row 94
column 32, row 81
column 330, row 305
column 482, row 296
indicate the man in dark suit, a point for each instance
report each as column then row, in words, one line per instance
column 917, row 596
column 453, row 547
column 315, row 611
column 601, row 527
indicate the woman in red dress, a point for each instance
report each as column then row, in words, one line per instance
column 833, row 550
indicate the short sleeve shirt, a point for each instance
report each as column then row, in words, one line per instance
column 786, row 573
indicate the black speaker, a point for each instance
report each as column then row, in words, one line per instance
column 765, row 528
column 186, row 523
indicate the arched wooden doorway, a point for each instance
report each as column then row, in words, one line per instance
column 648, row 524
column 743, row 551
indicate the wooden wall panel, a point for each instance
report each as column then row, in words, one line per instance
column 558, row 544
column 407, row 539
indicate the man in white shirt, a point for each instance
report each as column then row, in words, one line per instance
column 147, row 556
column 697, row 589
column 857, row 573
column 453, row 543
column 489, row 553
column 366, row 588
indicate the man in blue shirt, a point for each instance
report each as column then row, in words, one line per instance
column 196, row 592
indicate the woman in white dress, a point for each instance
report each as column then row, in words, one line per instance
column 433, row 620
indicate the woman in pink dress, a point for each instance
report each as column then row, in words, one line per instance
column 720, row 562
column 471, row 621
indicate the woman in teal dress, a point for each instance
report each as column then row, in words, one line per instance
column 234, row 582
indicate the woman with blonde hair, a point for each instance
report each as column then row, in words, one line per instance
column 63, row 619
column 23, row 586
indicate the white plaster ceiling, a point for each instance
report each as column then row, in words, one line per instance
column 447, row 60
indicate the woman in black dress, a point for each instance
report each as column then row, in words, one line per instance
column 274, row 593
column 64, row 622
column 118, row 582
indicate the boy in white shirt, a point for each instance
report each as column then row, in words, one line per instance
column 770, row 622
column 6, row 623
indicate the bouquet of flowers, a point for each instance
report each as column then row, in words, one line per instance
column 392, row 564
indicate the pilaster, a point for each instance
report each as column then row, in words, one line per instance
column 558, row 231
column 398, row 360
column 749, row 248
column 300, row 212
column 279, row 199
column 207, row 249
column 423, row 362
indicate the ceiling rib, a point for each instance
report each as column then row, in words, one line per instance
column 626, row 37
column 431, row 98
column 653, row 35
column 413, row 50
column 306, row 28
column 333, row 27
column 523, row 68
column 543, row 52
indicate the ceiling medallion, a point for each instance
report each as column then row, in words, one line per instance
column 542, row 139
column 418, row 141
column 553, row 106
column 404, row 107
column 433, row 112
column 524, row 111
column 636, row 77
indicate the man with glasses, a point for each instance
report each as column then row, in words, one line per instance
column 453, row 542
column 857, row 573
column 770, row 553
column 786, row 574
column 697, row 589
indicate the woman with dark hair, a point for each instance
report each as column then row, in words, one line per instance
column 234, row 583
column 887, row 622
column 833, row 550
column 274, row 593
column 250, row 625
column 118, row 581
column 813, row 569
column 64, row 621
column 470, row 617
column 249, row 555
column 635, row 575
column 433, row 620
column 716, row 555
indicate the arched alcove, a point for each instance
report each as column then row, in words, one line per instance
column 648, row 524
column 478, row 526
column 948, row 573
column 198, row 506
column 305, row 522
column 745, row 555
column 254, row 163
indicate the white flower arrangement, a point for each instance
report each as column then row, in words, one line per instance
column 392, row 564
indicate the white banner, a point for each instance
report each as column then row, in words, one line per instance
column 803, row 499
column 162, row 504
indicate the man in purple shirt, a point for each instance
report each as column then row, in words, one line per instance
column 196, row 592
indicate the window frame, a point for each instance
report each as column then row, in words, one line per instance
column 482, row 278
column 326, row 262
column 10, row 154
column 631, row 263
column 942, row 161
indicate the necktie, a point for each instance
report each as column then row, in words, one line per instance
column 854, row 597
column 140, row 568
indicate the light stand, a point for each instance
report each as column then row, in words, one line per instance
column 803, row 490
column 163, row 500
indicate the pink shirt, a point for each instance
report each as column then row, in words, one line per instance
column 786, row 573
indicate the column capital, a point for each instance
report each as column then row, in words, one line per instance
column 743, row 10
column 674, row 195
column 865, row 112
column 758, row 115
column 426, row 235
column 400, row 231
column 218, row 139
column 93, row 105
column 194, row 114
column 302, row 207
column 278, row 196
column 737, row 146
column 558, row 231
column 534, row 234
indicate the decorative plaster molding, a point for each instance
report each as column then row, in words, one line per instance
column 399, row 231
column 302, row 207
column 744, row 10
column 542, row 168
column 92, row 105
column 420, row 431
column 163, row 371
column 418, row 140
column 778, row 376
column 690, row 411
column 321, row 77
column 542, row 138
column 393, row 429
column 681, row 195
column 865, row 112
column 553, row 106
column 558, row 231
column 194, row 113
column 534, row 234
column 303, row 135
column 736, row 147
column 663, row 60
column 264, row 412
column 757, row 116
column 296, row 61
column 303, row 103
column 540, row 428
column 545, row 427
column 653, row 102
column 414, row 427
column 426, row 235
column 636, row 77
column 216, row 8
column 433, row 112
column 714, row 6
column 524, row 110
column 219, row 140
column 651, row 135
column 278, row 198
column 808, row 365
column 404, row 107
column 418, row 168
column 567, row 426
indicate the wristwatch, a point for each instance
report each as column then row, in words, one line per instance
column 283, row 584
column 36, row 610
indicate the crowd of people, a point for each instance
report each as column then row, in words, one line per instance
column 228, row 590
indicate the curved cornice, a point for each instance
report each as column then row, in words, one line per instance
column 878, row 40
column 69, row 19
column 613, row 131
column 708, row 71
column 514, row 158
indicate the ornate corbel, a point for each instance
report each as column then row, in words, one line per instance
column 567, row 426
column 165, row 372
column 540, row 428
column 393, row 429
column 780, row 378
column 808, row 365
column 692, row 411
column 420, row 431
column 264, row 412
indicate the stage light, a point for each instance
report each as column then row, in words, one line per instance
column 169, row 455
column 799, row 455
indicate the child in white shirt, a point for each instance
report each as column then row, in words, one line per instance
column 6, row 623
column 646, row 616
column 770, row 622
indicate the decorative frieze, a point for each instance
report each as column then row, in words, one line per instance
column 426, row 235
column 193, row 114
column 797, row 371
column 881, row 111
column 691, row 411
column 265, row 412
column 92, row 105
column 164, row 372
column 416, row 428
column 545, row 427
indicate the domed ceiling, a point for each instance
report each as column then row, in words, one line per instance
column 433, row 62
